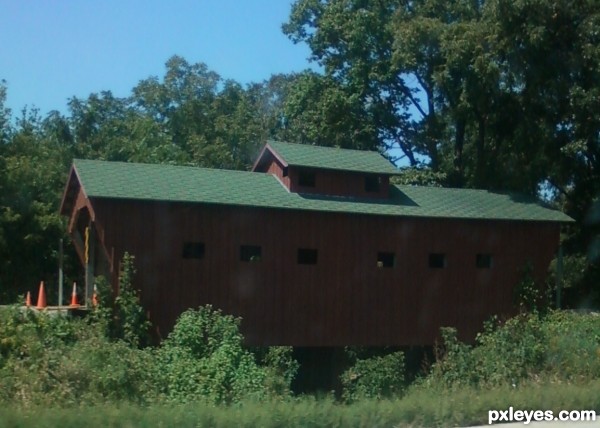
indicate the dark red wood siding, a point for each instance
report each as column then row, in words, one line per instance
column 342, row 183
column 274, row 167
column 345, row 299
column 327, row 182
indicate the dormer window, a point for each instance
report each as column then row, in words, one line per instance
column 328, row 171
column 372, row 183
column 306, row 178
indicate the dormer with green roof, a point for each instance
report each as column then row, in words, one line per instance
column 330, row 171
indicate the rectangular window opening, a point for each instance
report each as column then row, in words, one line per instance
column 437, row 260
column 386, row 260
column 372, row 183
column 250, row 253
column 306, row 178
column 483, row 261
column 193, row 250
column 307, row 256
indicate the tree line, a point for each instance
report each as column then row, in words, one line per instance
column 469, row 93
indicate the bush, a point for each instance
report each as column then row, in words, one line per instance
column 530, row 296
column 200, row 332
column 203, row 360
column 572, row 343
column 130, row 322
column 281, row 369
column 561, row 347
column 375, row 377
column 121, row 316
column 51, row 359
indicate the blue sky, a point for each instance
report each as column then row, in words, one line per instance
column 52, row 50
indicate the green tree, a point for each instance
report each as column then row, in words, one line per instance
column 320, row 111
column 209, row 119
column 33, row 166
column 5, row 131
column 361, row 93
column 5, row 115
column 495, row 95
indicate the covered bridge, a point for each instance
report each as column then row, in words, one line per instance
column 313, row 247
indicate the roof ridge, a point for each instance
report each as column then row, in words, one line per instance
column 463, row 189
column 320, row 147
column 162, row 165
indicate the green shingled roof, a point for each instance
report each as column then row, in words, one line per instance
column 212, row 186
column 333, row 158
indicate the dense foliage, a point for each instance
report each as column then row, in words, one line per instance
column 376, row 377
column 51, row 362
column 559, row 348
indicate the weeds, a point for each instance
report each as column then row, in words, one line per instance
column 418, row 408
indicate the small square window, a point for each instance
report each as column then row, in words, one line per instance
column 307, row 256
column 386, row 260
column 437, row 260
column 372, row 183
column 193, row 250
column 306, row 178
column 483, row 261
column 250, row 253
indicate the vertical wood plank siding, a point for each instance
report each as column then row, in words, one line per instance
column 327, row 182
column 345, row 299
column 340, row 183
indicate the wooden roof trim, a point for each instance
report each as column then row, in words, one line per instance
column 73, row 187
column 261, row 157
column 66, row 202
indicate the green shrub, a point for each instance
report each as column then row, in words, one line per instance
column 200, row 332
column 53, row 359
column 454, row 361
column 560, row 346
column 25, row 332
column 203, row 360
column 375, row 377
column 281, row 369
column 130, row 322
column 531, row 296
column 120, row 316
column 572, row 343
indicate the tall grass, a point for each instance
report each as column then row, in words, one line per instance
column 419, row 408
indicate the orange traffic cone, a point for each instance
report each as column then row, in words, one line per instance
column 28, row 299
column 74, row 295
column 95, row 296
column 41, row 301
